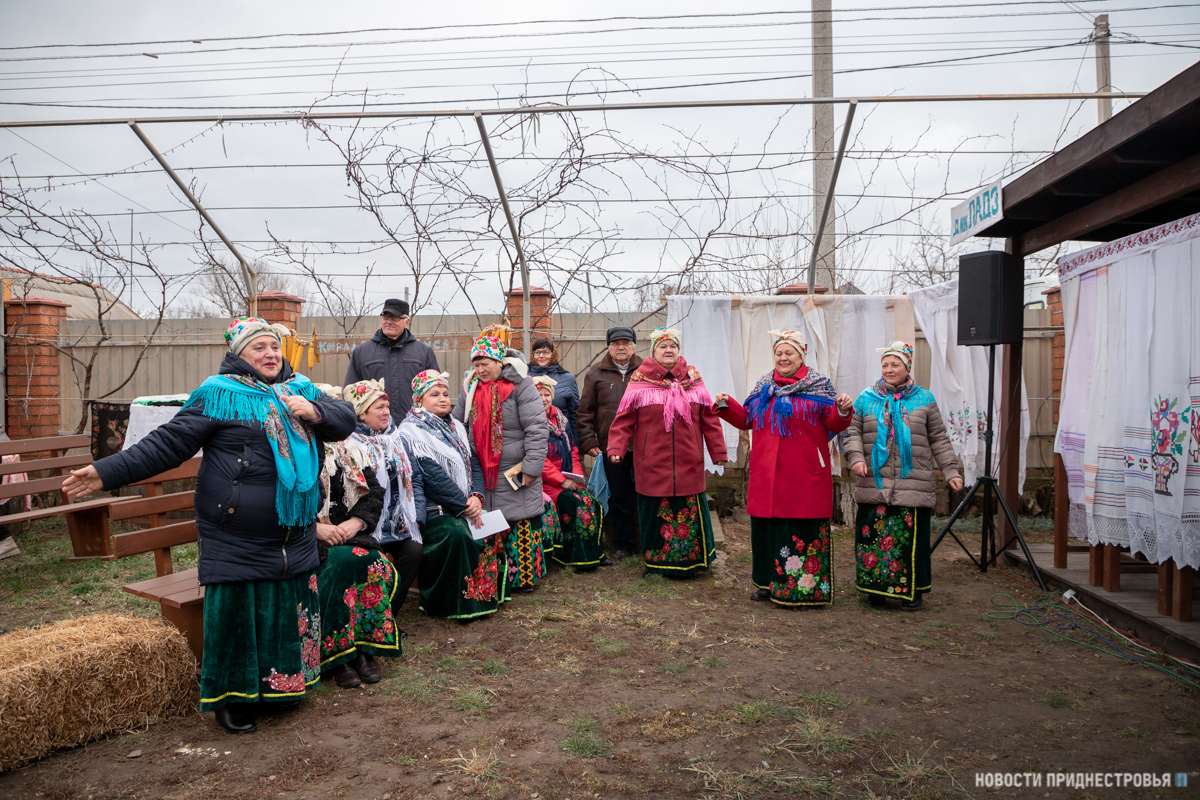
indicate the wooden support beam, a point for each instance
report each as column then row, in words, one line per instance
column 1166, row 577
column 1112, row 567
column 1181, row 594
column 1161, row 187
column 1008, row 413
column 1096, row 565
column 1062, row 513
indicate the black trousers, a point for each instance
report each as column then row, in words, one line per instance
column 406, row 558
column 622, row 504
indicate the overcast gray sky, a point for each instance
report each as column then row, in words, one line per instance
column 251, row 174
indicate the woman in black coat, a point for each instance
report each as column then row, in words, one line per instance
column 262, row 428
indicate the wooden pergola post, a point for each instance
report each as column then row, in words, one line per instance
column 1009, row 416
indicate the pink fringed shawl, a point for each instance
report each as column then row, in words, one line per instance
column 675, row 396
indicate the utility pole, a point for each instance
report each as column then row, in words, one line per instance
column 1101, row 35
column 823, row 145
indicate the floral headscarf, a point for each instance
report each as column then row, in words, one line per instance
column 426, row 380
column 663, row 334
column 243, row 329
column 489, row 347
column 362, row 394
column 544, row 380
column 901, row 350
column 794, row 338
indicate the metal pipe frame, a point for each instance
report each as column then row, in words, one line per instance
column 526, row 333
column 247, row 273
column 837, row 167
column 561, row 109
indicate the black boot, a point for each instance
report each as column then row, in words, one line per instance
column 911, row 605
column 345, row 676
column 874, row 600
column 232, row 718
column 367, row 669
column 762, row 595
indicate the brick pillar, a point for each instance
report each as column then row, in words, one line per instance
column 802, row 288
column 1058, row 346
column 31, row 366
column 541, row 306
column 280, row 307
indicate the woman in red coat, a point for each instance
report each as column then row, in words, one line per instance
column 666, row 416
column 793, row 412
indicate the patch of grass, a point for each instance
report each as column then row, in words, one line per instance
column 609, row 646
column 913, row 772
column 480, row 768
column 403, row 759
column 673, row 668
column 416, row 651
column 494, row 666
column 546, row 634
column 824, row 699
column 615, row 671
column 471, row 700
column 620, row 709
column 1062, row 701
column 585, row 741
column 712, row 662
column 448, row 664
column 414, row 686
column 941, row 623
column 1133, row 733
column 726, row 783
column 758, row 712
column 816, row 736
column 927, row 639
column 987, row 636
column 649, row 586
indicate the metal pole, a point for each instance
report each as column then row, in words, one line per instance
column 1102, row 35
column 822, row 136
column 560, row 109
column 247, row 273
column 837, row 167
column 512, row 228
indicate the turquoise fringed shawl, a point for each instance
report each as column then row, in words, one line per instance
column 891, row 406
column 235, row 397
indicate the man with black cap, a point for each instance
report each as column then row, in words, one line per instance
column 394, row 355
column 603, row 387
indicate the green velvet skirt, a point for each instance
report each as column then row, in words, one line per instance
column 793, row 560
column 580, row 522
column 261, row 641
column 460, row 577
column 524, row 553
column 891, row 551
column 551, row 530
column 676, row 533
column 356, row 586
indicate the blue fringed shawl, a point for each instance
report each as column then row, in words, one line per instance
column 802, row 401
column 890, row 407
column 240, row 398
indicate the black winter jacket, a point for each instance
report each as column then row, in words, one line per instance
column 397, row 362
column 441, row 494
column 240, row 538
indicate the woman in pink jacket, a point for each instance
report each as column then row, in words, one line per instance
column 793, row 412
column 667, row 416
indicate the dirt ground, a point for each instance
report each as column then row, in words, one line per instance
column 608, row 685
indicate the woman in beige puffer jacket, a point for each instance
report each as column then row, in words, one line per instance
column 894, row 443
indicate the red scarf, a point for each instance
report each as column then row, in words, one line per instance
column 487, row 427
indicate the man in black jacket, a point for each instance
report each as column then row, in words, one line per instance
column 394, row 355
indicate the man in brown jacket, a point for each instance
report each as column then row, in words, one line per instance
column 603, row 387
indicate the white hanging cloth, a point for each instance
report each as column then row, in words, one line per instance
column 958, row 379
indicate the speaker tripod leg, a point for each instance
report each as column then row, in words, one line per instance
column 958, row 512
column 1012, row 520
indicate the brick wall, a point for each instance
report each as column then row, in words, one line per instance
column 280, row 307
column 541, row 307
column 32, row 366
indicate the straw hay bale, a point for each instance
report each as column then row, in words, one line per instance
column 68, row 683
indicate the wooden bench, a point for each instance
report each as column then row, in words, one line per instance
column 178, row 594
column 57, row 463
column 87, row 520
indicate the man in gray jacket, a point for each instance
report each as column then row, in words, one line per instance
column 394, row 355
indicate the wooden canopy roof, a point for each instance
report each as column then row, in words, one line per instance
column 1135, row 171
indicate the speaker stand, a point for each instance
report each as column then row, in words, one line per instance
column 988, row 484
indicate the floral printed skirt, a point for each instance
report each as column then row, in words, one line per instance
column 551, row 530
column 793, row 560
column 356, row 588
column 460, row 577
column 261, row 641
column 580, row 520
column 523, row 550
column 891, row 550
column 676, row 534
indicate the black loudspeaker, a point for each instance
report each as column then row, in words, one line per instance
column 991, row 287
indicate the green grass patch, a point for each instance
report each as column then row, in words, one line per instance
column 824, row 699
column 494, row 666
column 448, row 664
column 585, row 740
column 415, row 686
column 471, row 700
column 673, row 668
column 712, row 662
column 759, row 711
column 1062, row 701
column 649, row 586
column 609, row 646
column 987, row 636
